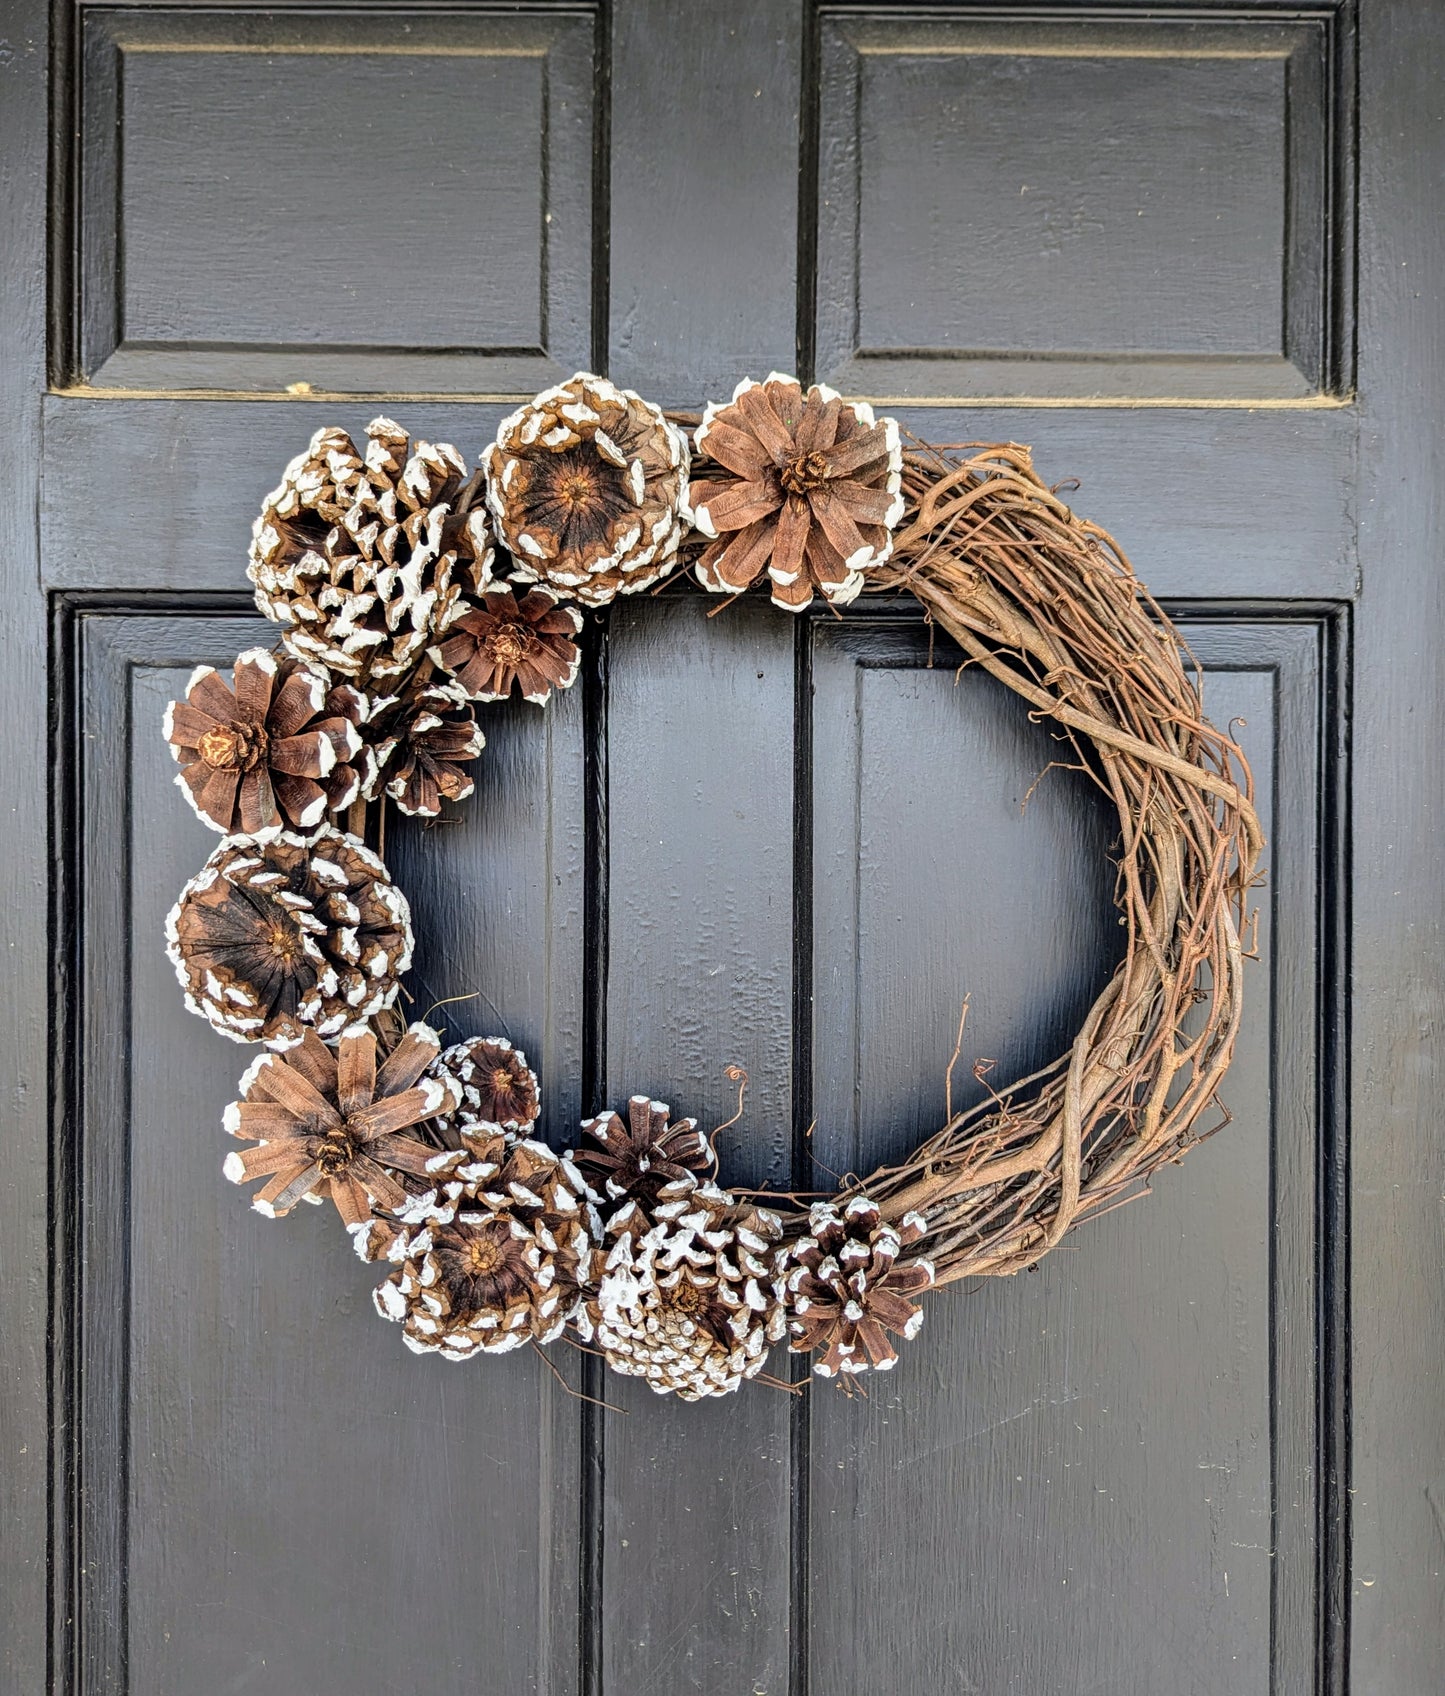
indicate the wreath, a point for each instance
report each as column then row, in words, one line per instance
column 410, row 589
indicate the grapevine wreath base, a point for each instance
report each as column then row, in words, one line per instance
column 410, row 589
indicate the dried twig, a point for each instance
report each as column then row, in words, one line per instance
column 1048, row 603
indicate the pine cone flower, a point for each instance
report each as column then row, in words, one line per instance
column 499, row 1089
column 325, row 1123
column 513, row 639
column 276, row 934
column 686, row 1297
column 639, row 1157
column 588, row 484
column 364, row 559
column 498, row 1264
column 273, row 747
column 845, row 1292
column 804, row 487
column 432, row 736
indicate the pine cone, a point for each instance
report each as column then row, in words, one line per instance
column 588, row 484
column 804, row 487
column 364, row 561
column 327, row 1123
column 845, row 1292
column 273, row 935
column 277, row 746
column 685, row 1293
column 496, row 1261
column 428, row 736
column 499, row 1089
column 638, row 1158
column 513, row 638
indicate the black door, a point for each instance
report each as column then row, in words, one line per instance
column 1192, row 254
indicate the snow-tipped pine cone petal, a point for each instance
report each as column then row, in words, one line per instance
column 277, row 934
column 336, row 1124
column 366, row 557
column 845, row 1291
column 685, row 1293
column 588, row 484
column 278, row 746
column 431, row 736
column 497, row 1260
column 638, row 1156
column 514, row 639
column 804, row 486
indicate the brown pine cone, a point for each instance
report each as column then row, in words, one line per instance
column 366, row 559
column 279, row 745
column 513, row 638
column 845, row 1291
column 637, row 1158
column 277, row 934
column 499, row 1089
column 498, row 1264
column 685, row 1294
column 588, row 484
column 325, row 1123
column 429, row 736
column 806, row 487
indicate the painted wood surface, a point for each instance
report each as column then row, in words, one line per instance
column 1201, row 1448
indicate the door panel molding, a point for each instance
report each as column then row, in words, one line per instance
column 1026, row 203
column 153, row 1425
column 1298, row 661
column 217, row 249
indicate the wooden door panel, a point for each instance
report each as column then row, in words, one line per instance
column 1183, row 490
column 1150, row 205
column 267, row 1484
column 496, row 893
column 700, row 975
column 816, row 1513
column 931, row 882
column 1135, row 1418
column 220, row 248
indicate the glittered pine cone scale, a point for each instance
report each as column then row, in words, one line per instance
column 402, row 622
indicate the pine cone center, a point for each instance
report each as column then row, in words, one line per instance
column 804, row 472
column 336, row 1151
column 502, row 1080
column 576, row 488
column 285, row 941
column 233, row 747
column 687, row 1299
column 510, row 644
column 481, row 1258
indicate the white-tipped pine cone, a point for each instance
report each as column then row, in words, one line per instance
column 800, row 484
column 845, row 1290
column 588, row 484
column 337, row 1124
column 492, row 1255
column 686, row 1292
column 279, row 933
column 365, row 558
